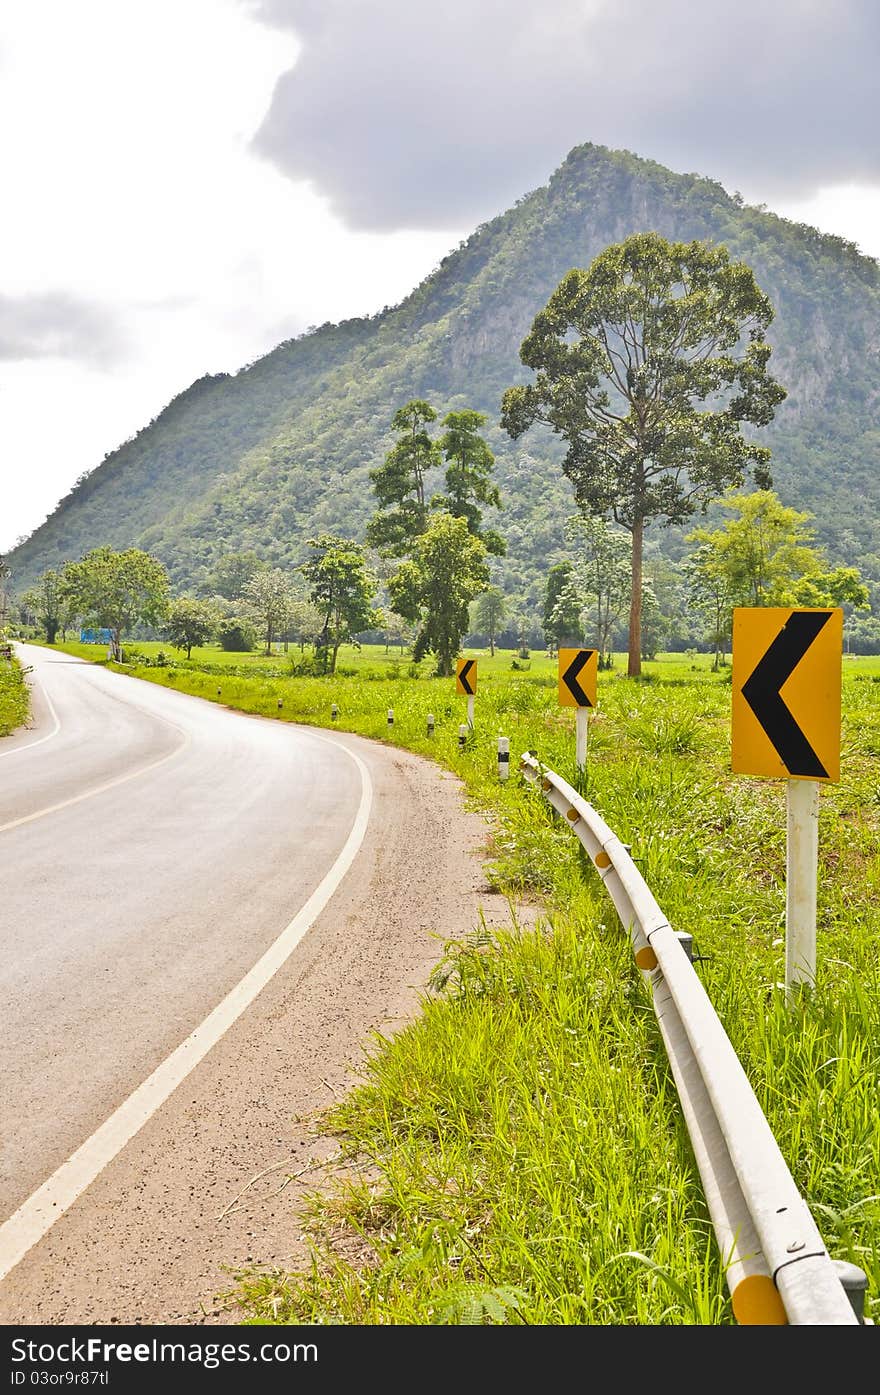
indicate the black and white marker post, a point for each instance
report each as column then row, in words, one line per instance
column 503, row 757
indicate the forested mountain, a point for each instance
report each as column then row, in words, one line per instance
column 266, row 457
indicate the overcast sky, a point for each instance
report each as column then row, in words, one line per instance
column 187, row 182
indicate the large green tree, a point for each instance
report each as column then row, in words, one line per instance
column 435, row 587
column 115, row 590
column 342, row 588
column 400, row 482
column 469, row 465
column 648, row 364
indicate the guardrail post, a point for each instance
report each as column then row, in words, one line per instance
column 503, row 757
column 855, row 1283
column 430, row 723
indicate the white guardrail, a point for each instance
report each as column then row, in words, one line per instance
column 776, row 1265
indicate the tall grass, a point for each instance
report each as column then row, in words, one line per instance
column 518, row 1151
column 13, row 696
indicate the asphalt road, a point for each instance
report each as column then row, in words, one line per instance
column 157, row 852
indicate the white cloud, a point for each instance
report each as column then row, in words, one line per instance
column 144, row 242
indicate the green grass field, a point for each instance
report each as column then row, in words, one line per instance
column 518, row 1149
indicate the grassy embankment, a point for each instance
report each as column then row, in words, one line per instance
column 525, row 1159
column 14, row 705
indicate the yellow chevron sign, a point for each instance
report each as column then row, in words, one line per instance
column 786, row 692
column 466, row 676
column 577, row 677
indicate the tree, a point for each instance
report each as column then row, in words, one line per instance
column 602, row 578
column 191, row 622
column 397, row 631
column 435, row 588
column 5, row 577
column 764, row 555
column 342, row 589
column 468, row 484
column 561, row 620
column 114, row 590
column 489, row 614
column 305, row 622
column 229, row 576
column 48, row 602
column 648, row 363
column 764, row 548
column 710, row 590
column 237, row 634
column 400, row 481
column 270, row 594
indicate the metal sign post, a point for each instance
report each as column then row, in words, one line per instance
column 786, row 724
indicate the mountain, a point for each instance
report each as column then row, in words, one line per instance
column 268, row 456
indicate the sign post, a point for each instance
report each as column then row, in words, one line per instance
column 577, row 688
column 466, row 682
column 786, row 724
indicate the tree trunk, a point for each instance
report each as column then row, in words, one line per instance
column 634, row 667
column 492, row 645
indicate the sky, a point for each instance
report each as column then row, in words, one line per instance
column 186, row 183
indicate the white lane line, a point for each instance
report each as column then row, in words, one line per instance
column 35, row 1217
column 29, row 745
column 100, row 789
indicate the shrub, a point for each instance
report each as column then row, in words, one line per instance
column 237, row 634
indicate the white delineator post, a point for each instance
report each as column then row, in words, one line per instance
column 462, row 736
column 801, row 882
column 471, row 711
column 503, row 757
column 581, row 736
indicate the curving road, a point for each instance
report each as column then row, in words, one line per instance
column 163, row 860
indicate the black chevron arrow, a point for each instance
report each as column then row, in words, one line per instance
column 761, row 692
column 463, row 675
column 570, row 677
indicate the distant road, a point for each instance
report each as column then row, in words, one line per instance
column 204, row 917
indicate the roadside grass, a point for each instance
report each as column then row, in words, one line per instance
column 14, row 704
column 518, row 1154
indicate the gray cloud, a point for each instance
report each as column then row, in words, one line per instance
column 407, row 114
column 55, row 325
